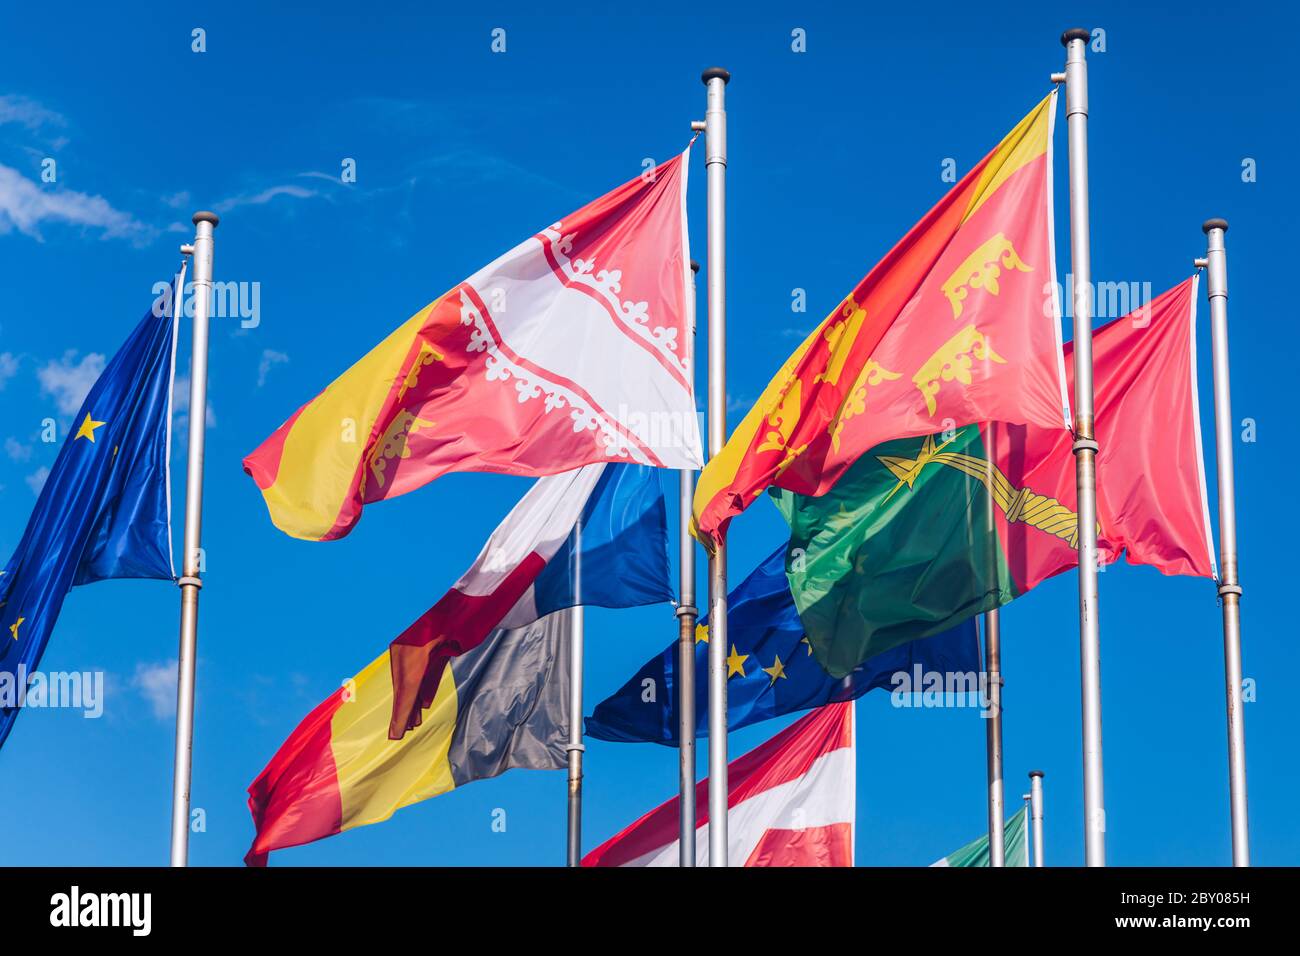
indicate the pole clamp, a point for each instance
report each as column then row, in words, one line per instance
column 687, row 610
column 570, row 748
column 1229, row 589
column 189, row 581
column 1085, row 444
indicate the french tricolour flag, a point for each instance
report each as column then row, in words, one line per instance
column 791, row 803
column 609, row 517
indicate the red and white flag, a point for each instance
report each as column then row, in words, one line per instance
column 791, row 803
column 573, row 348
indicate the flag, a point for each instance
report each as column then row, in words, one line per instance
column 530, row 568
column 957, row 324
column 571, row 349
column 770, row 667
column 500, row 706
column 104, row 509
column 922, row 533
column 791, row 802
column 976, row 853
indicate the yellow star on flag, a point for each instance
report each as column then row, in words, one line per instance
column 776, row 670
column 701, row 633
column 804, row 640
column 87, row 429
column 736, row 663
column 13, row 628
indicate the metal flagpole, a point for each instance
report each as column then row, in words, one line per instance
column 715, row 144
column 686, row 617
column 1036, row 812
column 575, row 746
column 993, row 680
column 1216, row 266
column 191, row 562
column 1028, row 816
column 1085, row 446
column 993, row 690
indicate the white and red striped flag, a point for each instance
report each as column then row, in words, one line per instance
column 791, row 803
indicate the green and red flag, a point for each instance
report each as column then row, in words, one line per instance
column 922, row 533
column 957, row 324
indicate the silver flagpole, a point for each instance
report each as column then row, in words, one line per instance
column 1085, row 447
column 575, row 747
column 1028, row 816
column 686, row 617
column 1036, row 812
column 1216, row 266
column 993, row 730
column 191, row 562
column 715, row 144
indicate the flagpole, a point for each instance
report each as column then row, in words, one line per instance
column 1216, row 266
column 1036, row 812
column 575, row 746
column 715, row 144
column 190, row 581
column 1085, row 446
column 1029, row 816
column 687, row 614
column 993, row 690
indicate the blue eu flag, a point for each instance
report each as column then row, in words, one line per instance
column 770, row 667
column 103, row 512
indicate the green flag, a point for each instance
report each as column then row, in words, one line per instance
column 904, row 546
column 976, row 853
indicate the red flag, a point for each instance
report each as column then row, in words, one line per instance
column 791, row 802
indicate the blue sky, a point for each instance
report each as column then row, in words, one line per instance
column 461, row 153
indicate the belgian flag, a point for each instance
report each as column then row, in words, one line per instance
column 500, row 706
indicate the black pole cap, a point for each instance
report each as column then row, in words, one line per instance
column 695, row 266
column 1214, row 224
column 715, row 73
column 1037, row 773
column 1075, row 33
column 204, row 216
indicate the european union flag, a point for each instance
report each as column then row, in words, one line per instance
column 770, row 667
column 103, row 512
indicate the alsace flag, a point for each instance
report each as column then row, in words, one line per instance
column 530, row 568
column 959, row 323
column 791, row 803
column 572, row 348
column 902, row 547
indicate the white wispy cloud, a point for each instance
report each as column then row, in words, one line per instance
column 270, row 357
column 16, row 450
column 26, row 205
column 8, row 367
column 69, row 381
column 156, row 683
column 264, row 197
column 28, row 113
column 36, row 480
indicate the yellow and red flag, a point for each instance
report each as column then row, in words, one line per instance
column 959, row 323
column 571, row 349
